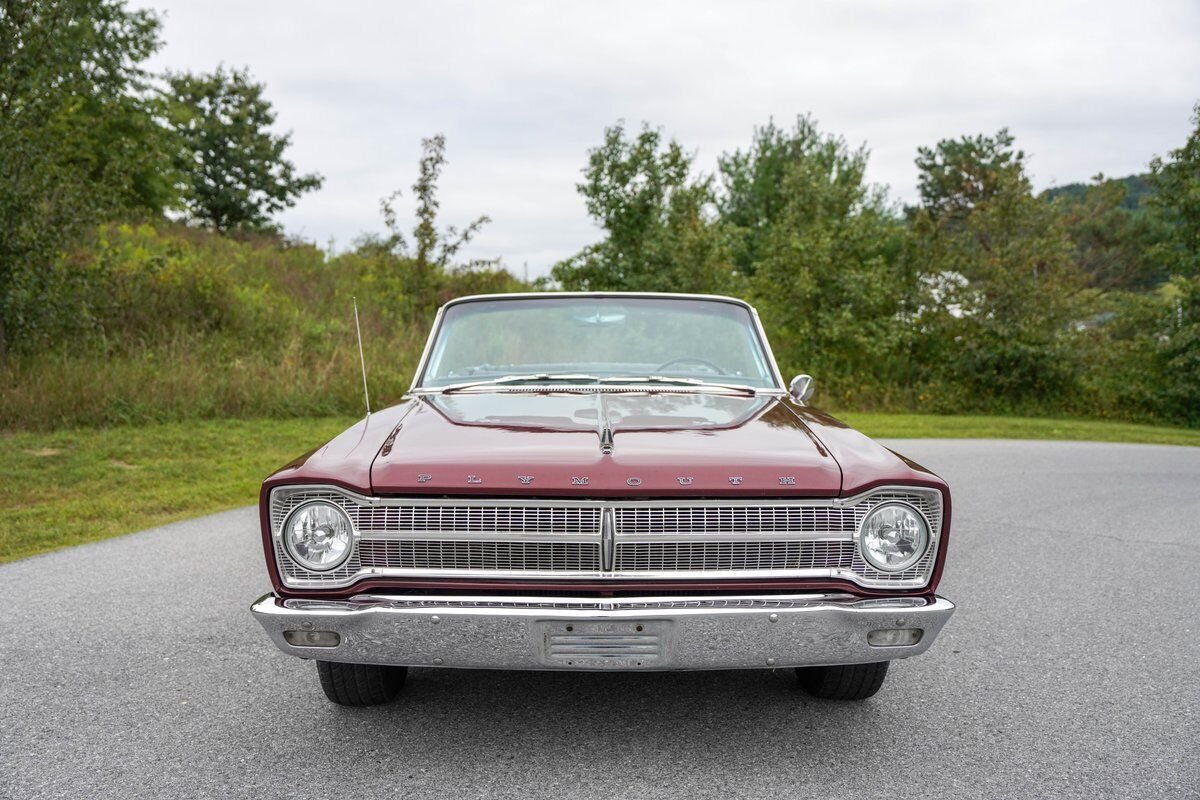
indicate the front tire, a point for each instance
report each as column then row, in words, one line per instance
column 360, row 684
column 843, row 682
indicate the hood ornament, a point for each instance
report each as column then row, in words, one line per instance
column 424, row 477
column 583, row 481
column 525, row 479
column 736, row 480
column 603, row 426
column 633, row 481
column 474, row 479
column 685, row 480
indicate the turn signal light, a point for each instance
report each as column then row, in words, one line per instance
column 894, row 637
column 313, row 638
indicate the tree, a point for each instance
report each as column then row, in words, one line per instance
column 79, row 138
column 660, row 232
column 234, row 174
column 1003, row 287
column 1176, row 180
column 959, row 174
column 417, row 277
column 1114, row 242
column 822, row 249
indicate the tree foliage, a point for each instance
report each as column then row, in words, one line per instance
column 820, row 246
column 957, row 175
column 1176, row 180
column 660, row 232
column 983, row 296
column 1004, row 285
column 79, row 140
column 1114, row 241
column 415, row 276
column 233, row 169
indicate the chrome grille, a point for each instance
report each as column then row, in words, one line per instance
column 493, row 519
column 504, row 556
column 734, row 519
column 602, row 539
column 706, row 556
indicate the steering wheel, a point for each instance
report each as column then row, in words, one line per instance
column 691, row 360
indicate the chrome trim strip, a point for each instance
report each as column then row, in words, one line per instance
column 419, row 374
column 607, row 520
column 641, row 633
column 560, row 502
column 608, row 525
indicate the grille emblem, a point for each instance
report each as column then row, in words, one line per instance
column 474, row 479
column 736, row 480
column 633, row 481
column 525, row 479
column 787, row 480
column 579, row 481
column 685, row 480
column 424, row 477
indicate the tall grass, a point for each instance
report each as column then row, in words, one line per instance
column 170, row 323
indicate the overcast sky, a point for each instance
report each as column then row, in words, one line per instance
column 523, row 89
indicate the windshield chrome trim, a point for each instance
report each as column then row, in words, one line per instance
column 435, row 329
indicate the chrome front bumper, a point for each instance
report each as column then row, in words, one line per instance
column 558, row 633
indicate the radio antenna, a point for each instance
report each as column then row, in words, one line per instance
column 361, row 359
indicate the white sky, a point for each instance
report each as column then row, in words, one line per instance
column 523, row 89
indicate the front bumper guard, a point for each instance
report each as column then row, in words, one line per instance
column 560, row 633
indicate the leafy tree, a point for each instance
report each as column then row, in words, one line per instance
column 233, row 168
column 660, row 232
column 959, row 174
column 823, row 249
column 418, row 274
column 79, row 138
column 1113, row 241
column 1004, row 287
column 1176, row 180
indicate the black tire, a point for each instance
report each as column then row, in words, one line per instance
column 360, row 684
column 843, row 682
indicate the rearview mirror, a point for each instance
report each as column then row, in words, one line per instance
column 802, row 387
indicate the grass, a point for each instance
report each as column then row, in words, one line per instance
column 930, row 426
column 80, row 485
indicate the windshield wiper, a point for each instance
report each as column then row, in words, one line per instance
column 508, row 380
column 549, row 378
column 664, row 379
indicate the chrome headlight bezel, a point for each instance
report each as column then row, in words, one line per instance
column 289, row 548
column 925, row 530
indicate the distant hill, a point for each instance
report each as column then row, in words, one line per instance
column 1137, row 189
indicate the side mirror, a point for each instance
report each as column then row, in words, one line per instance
column 802, row 387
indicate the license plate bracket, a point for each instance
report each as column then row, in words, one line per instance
column 605, row 644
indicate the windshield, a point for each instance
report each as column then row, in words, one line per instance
column 586, row 338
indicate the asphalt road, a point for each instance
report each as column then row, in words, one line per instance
column 132, row 668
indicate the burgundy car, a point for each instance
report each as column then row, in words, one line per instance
column 602, row 482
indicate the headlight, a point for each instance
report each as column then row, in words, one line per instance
column 893, row 537
column 318, row 536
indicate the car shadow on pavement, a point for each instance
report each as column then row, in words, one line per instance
column 608, row 717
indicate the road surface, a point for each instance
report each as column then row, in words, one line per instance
column 132, row 668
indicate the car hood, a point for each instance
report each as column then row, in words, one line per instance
column 663, row 443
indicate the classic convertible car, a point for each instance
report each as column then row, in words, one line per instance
column 602, row 482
